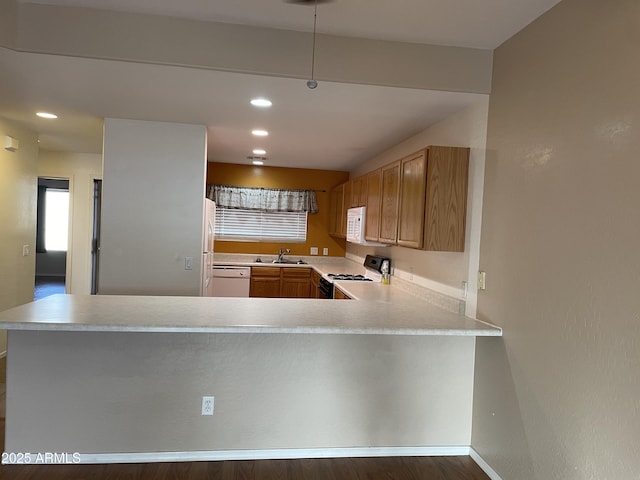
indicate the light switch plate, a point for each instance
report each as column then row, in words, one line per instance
column 325, row 251
column 313, row 251
column 482, row 280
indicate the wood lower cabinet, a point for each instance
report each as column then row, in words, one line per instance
column 296, row 282
column 340, row 295
column 390, row 202
column 280, row 282
column 315, row 283
column 265, row 282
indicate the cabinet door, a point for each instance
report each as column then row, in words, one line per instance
column 268, row 287
column 265, row 282
column 413, row 177
column 336, row 212
column 340, row 295
column 359, row 192
column 390, row 202
column 315, row 283
column 374, row 187
column 346, row 204
column 296, row 282
column 446, row 209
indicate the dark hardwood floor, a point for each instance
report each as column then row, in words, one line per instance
column 387, row 468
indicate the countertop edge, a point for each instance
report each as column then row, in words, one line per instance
column 34, row 326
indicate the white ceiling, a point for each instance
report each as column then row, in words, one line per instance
column 336, row 126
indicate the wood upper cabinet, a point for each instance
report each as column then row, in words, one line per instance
column 336, row 213
column 359, row 191
column 390, row 202
column 413, row 176
column 374, row 190
column 265, row 282
column 346, row 205
column 446, row 205
column 296, row 282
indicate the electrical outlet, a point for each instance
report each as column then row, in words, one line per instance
column 25, row 250
column 208, row 404
column 325, row 251
column 314, row 251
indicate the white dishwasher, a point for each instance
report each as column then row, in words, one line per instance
column 230, row 281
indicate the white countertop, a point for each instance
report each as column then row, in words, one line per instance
column 114, row 313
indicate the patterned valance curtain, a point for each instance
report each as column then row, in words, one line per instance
column 263, row 199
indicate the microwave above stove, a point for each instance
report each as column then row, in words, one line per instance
column 356, row 224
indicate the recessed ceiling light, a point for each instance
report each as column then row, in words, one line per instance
column 261, row 102
column 46, row 115
column 260, row 133
column 258, row 162
column 259, row 151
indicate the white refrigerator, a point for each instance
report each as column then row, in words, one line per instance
column 206, row 289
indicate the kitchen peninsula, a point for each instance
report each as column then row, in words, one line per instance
column 121, row 378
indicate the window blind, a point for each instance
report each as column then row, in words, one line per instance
column 256, row 226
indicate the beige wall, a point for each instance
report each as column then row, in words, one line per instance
column 8, row 21
column 442, row 271
column 81, row 170
column 18, row 190
column 557, row 396
column 152, row 207
column 141, row 392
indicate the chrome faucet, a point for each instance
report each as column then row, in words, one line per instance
column 281, row 253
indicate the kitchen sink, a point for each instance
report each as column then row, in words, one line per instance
column 291, row 262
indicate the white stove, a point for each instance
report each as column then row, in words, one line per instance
column 374, row 268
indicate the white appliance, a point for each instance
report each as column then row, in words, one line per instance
column 206, row 285
column 231, row 281
column 356, row 219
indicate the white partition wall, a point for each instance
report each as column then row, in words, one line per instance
column 152, row 207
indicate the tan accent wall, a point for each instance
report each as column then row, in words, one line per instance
column 278, row 177
column 18, row 192
column 557, row 396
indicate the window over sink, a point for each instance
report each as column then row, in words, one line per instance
column 236, row 224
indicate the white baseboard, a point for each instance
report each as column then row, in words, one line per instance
column 491, row 473
column 280, row 454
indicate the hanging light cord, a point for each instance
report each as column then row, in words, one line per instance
column 313, row 51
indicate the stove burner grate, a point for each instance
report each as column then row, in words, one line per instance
column 348, row 276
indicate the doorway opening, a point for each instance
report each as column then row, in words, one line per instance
column 52, row 236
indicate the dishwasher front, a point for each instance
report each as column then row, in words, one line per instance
column 230, row 281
